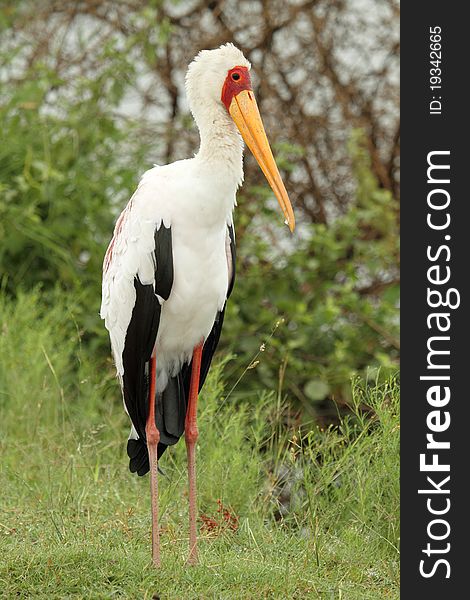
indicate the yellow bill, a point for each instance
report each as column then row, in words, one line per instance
column 244, row 111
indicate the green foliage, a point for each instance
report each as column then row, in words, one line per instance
column 352, row 470
column 317, row 510
column 333, row 293
column 67, row 168
column 330, row 293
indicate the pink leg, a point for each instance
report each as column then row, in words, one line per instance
column 191, row 434
column 153, row 437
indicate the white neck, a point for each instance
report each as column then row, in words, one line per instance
column 221, row 144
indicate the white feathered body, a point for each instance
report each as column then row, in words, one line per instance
column 195, row 198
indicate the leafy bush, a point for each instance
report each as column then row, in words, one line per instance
column 330, row 292
column 331, row 297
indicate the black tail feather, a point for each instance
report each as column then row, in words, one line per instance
column 138, row 456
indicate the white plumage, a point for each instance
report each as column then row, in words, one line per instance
column 196, row 198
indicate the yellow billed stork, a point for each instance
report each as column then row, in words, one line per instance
column 170, row 268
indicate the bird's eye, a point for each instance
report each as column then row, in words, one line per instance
column 235, row 76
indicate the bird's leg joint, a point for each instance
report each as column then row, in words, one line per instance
column 152, row 433
column 191, row 432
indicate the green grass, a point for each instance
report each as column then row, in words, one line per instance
column 317, row 513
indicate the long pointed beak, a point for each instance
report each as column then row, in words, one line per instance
column 244, row 111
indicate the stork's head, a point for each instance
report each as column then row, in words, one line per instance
column 218, row 82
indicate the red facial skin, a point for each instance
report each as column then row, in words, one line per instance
column 232, row 86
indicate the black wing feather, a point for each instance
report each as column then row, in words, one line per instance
column 164, row 260
column 140, row 340
column 233, row 258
